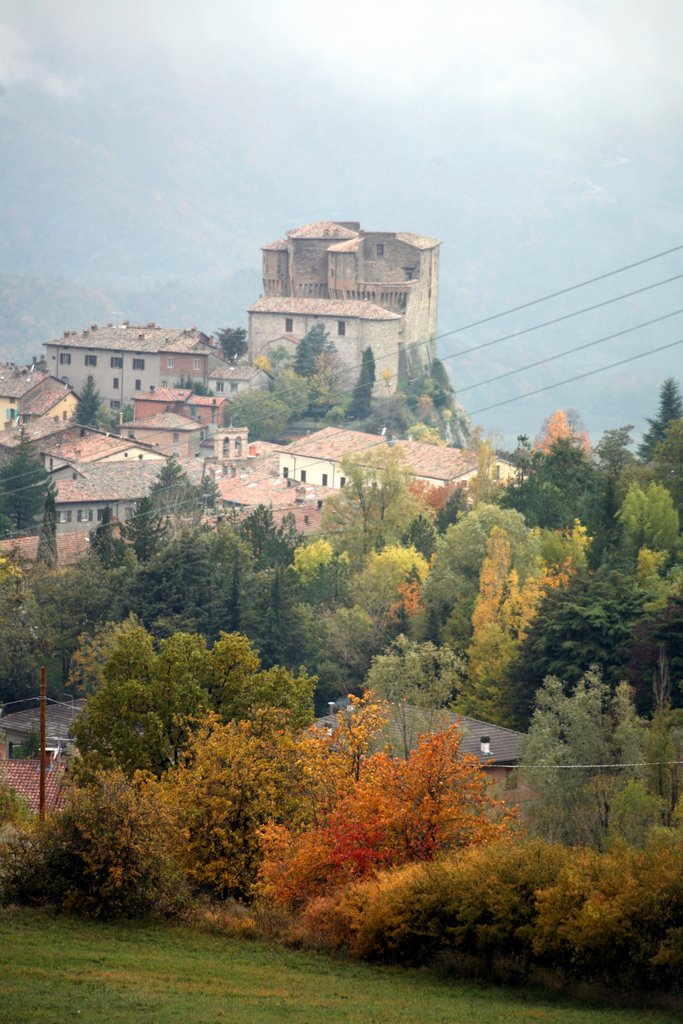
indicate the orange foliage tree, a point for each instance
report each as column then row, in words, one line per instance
column 559, row 426
column 395, row 812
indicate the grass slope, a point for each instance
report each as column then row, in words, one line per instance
column 56, row 969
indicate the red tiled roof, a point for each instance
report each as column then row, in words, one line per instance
column 16, row 381
column 50, row 394
column 164, row 421
column 206, row 400
column 437, row 461
column 23, row 776
column 71, row 547
column 332, row 443
column 354, row 309
column 164, row 395
column 273, row 492
column 90, row 448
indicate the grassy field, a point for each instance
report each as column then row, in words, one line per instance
column 57, row 969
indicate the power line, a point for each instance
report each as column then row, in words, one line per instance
column 570, row 351
column 556, row 320
column 579, row 376
column 562, row 291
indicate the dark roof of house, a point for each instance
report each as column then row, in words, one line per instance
column 134, row 339
column 23, row 776
column 505, row 745
column 58, row 720
column 52, row 392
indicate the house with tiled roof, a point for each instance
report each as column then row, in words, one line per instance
column 230, row 379
column 23, row 776
column 86, row 444
column 20, row 727
column 317, row 457
column 126, row 360
column 168, row 432
column 88, row 488
column 27, row 393
column 368, row 289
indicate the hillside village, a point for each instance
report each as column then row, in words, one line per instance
column 302, row 628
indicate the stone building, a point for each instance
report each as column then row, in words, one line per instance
column 368, row 288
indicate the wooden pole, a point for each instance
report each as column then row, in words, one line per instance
column 43, row 693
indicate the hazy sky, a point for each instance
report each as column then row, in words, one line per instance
column 541, row 140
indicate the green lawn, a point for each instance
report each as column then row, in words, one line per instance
column 55, row 969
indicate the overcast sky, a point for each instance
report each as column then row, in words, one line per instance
column 426, row 113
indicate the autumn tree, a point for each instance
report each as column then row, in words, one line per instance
column 235, row 778
column 565, row 426
column 451, row 589
column 372, row 509
column 419, row 681
column 398, row 811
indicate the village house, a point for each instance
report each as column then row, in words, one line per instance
column 20, row 730
column 230, row 380
column 316, row 459
column 209, row 410
column 126, row 360
column 169, row 433
column 27, row 393
column 23, row 776
column 85, row 490
column 375, row 290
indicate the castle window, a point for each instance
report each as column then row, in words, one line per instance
column 115, row 383
column 409, row 273
column 303, row 476
column 138, row 364
column 117, row 362
column 91, row 360
column 324, row 479
column 380, row 249
column 64, row 358
column 289, row 325
column 341, row 328
column 138, row 385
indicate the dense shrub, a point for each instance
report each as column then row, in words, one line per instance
column 105, row 855
column 616, row 917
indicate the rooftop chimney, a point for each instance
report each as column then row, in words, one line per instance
column 485, row 742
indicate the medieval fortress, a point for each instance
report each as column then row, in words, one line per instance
column 376, row 289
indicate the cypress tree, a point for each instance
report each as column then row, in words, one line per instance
column 361, row 402
column 47, row 542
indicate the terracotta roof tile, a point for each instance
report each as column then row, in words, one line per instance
column 163, row 421
column 277, row 246
column 17, row 381
column 437, row 461
column 110, row 481
column 71, row 547
column 273, row 492
column 333, row 443
column 23, row 776
column 164, row 395
column 50, row 394
column 323, row 307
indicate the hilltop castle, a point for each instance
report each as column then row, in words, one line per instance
column 376, row 289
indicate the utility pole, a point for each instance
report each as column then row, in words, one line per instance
column 43, row 693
